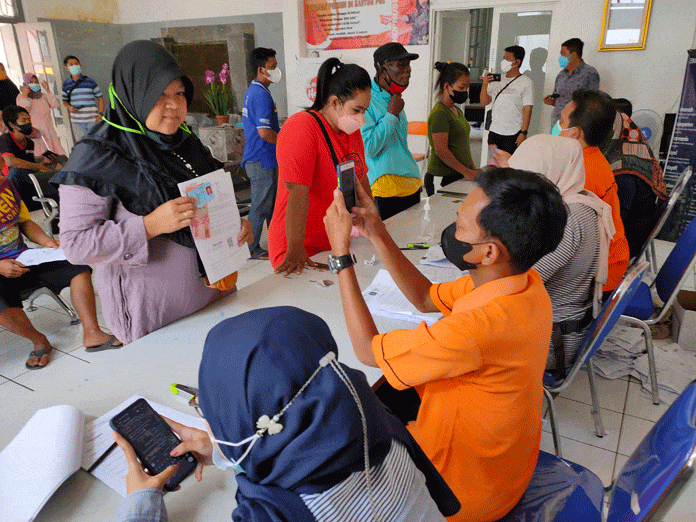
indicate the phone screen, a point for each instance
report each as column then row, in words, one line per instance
column 153, row 440
column 346, row 182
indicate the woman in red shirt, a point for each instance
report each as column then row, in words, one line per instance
column 306, row 168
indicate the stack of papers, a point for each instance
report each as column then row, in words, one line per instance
column 676, row 368
column 384, row 298
column 620, row 349
column 38, row 256
column 622, row 354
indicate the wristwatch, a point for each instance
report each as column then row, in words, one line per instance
column 336, row 264
column 524, row 132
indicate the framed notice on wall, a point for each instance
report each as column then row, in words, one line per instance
column 355, row 24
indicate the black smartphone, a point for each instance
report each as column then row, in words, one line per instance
column 152, row 440
column 496, row 77
column 555, row 95
column 346, row 182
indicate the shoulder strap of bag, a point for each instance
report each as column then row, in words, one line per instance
column 78, row 82
column 326, row 135
column 506, row 86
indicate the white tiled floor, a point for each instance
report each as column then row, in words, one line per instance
column 627, row 413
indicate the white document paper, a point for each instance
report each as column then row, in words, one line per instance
column 384, row 298
column 436, row 257
column 38, row 256
column 216, row 225
column 38, row 460
column 112, row 470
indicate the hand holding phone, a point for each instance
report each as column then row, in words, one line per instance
column 346, row 182
column 152, row 441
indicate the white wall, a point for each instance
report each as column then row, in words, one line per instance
column 651, row 78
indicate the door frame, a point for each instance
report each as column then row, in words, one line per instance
column 64, row 131
column 512, row 6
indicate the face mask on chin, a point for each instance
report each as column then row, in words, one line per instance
column 394, row 88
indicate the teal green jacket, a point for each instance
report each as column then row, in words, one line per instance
column 385, row 139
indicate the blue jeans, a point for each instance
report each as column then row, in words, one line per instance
column 264, row 183
column 80, row 129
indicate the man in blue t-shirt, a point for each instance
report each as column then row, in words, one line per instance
column 261, row 128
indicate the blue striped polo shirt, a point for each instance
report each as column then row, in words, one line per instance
column 84, row 98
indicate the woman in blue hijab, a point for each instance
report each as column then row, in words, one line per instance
column 297, row 428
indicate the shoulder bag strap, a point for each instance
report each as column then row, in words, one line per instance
column 78, row 82
column 326, row 135
column 506, row 86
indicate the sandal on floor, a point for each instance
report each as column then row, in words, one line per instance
column 108, row 345
column 39, row 354
column 261, row 254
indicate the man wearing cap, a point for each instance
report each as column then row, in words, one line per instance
column 392, row 171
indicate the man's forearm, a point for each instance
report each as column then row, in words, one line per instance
column 526, row 117
column 34, row 233
column 296, row 217
column 100, row 104
column 361, row 326
column 19, row 163
column 412, row 283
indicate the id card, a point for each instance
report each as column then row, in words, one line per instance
column 203, row 193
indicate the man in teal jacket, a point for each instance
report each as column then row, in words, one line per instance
column 393, row 173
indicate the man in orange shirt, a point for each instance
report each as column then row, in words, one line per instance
column 478, row 370
column 589, row 118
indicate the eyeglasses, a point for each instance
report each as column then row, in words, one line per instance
column 400, row 65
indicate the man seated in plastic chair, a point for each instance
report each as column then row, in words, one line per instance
column 15, row 277
column 17, row 151
column 479, row 369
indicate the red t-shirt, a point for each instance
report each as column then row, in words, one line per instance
column 304, row 158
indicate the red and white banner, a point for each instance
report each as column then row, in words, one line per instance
column 354, row 24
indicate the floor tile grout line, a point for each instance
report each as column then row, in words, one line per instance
column 18, row 383
column 588, row 444
column 590, row 405
column 73, row 356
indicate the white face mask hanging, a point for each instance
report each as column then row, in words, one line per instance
column 271, row 426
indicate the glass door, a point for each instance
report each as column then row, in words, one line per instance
column 39, row 55
column 529, row 26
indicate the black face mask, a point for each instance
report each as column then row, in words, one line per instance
column 26, row 129
column 459, row 96
column 455, row 250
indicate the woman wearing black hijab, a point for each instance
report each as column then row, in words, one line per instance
column 120, row 204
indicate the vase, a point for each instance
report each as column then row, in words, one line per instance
column 222, row 119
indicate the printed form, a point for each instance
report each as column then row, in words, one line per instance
column 216, row 224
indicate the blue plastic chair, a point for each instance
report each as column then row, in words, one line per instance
column 600, row 328
column 646, row 488
column 649, row 247
column 668, row 282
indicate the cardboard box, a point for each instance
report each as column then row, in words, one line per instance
column 684, row 320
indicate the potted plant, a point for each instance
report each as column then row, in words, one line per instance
column 219, row 96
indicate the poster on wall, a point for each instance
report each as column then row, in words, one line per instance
column 682, row 153
column 355, row 24
column 307, row 69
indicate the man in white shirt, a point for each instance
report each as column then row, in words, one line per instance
column 512, row 97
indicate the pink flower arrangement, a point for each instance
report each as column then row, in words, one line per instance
column 219, row 97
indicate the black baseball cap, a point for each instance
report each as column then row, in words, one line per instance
column 392, row 52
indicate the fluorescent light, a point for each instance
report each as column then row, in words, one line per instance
column 531, row 13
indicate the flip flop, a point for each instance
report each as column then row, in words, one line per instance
column 261, row 254
column 39, row 354
column 108, row 345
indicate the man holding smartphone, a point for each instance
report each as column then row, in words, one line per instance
column 478, row 371
column 513, row 98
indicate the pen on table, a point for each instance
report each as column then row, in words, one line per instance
column 101, row 459
column 416, row 246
